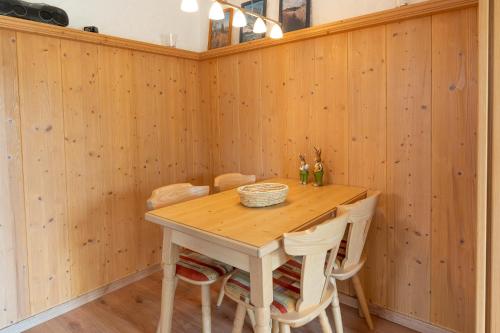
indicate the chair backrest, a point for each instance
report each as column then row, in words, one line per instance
column 360, row 216
column 175, row 193
column 229, row 181
column 314, row 245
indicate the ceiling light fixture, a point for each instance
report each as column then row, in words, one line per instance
column 189, row 6
column 239, row 19
column 217, row 13
column 276, row 32
column 259, row 26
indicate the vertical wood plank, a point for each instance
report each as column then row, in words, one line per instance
column 208, row 108
column 41, row 108
column 198, row 156
column 329, row 106
column 150, row 79
column 274, row 108
column 88, row 200
column 14, row 288
column 178, row 118
column 409, row 166
column 298, row 119
column 454, row 187
column 115, row 95
column 227, row 116
column 367, row 146
column 249, row 113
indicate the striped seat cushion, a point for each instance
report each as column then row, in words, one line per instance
column 286, row 285
column 197, row 267
column 342, row 251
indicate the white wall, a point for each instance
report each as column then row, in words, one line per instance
column 148, row 20
column 134, row 19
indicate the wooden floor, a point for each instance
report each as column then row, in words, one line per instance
column 135, row 309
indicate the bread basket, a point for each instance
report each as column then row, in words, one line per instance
column 262, row 194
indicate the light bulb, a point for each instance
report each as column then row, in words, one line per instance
column 259, row 27
column 276, row 32
column 216, row 12
column 239, row 19
column 189, row 6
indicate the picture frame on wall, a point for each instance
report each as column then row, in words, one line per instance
column 295, row 14
column 219, row 32
column 255, row 6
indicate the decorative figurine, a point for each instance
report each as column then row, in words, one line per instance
column 303, row 170
column 318, row 168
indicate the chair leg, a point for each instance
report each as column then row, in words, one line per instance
column 251, row 316
column 325, row 324
column 239, row 318
column 205, row 308
column 362, row 300
column 284, row 328
column 221, row 291
column 337, row 315
column 276, row 326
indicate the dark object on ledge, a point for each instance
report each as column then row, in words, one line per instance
column 34, row 12
column 91, row 29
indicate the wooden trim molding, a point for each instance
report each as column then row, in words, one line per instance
column 395, row 317
column 387, row 16
column 63, row 308
column 42, row 29
column 391, row 15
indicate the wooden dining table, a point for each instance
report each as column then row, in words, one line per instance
column 250, row 239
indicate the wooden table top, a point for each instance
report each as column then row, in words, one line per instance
column 223, row 215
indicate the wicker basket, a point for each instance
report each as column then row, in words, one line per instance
column 262, row 194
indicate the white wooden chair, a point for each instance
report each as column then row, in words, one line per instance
column 229, row 181
column 350, row 259
column 301, row 293
column 192, row 267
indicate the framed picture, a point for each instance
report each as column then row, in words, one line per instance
column 255, row 6
column 295, row 14
column 219, row 34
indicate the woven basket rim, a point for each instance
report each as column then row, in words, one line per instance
column 241, row 189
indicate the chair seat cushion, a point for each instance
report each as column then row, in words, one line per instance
column 199, row 268
column 286, row 286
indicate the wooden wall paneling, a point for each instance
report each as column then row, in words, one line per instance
column 88, row 200
column 493, row 287
column 41, row 105
column 367, row 146
column 300, row 89
column 209, row 105
column 150, row 97
column 178, row 119
column 14, row 288
column 115, row 95
column 227, row 116
column 454, row 126
column 274, row 104
column 409, row 166
column 329, row 106
column 198, row 157
column 250, row 113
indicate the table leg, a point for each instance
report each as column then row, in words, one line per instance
column 261, row 286
column 170, row 256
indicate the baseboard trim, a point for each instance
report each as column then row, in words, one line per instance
column 395, row 317
column 60, row 309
